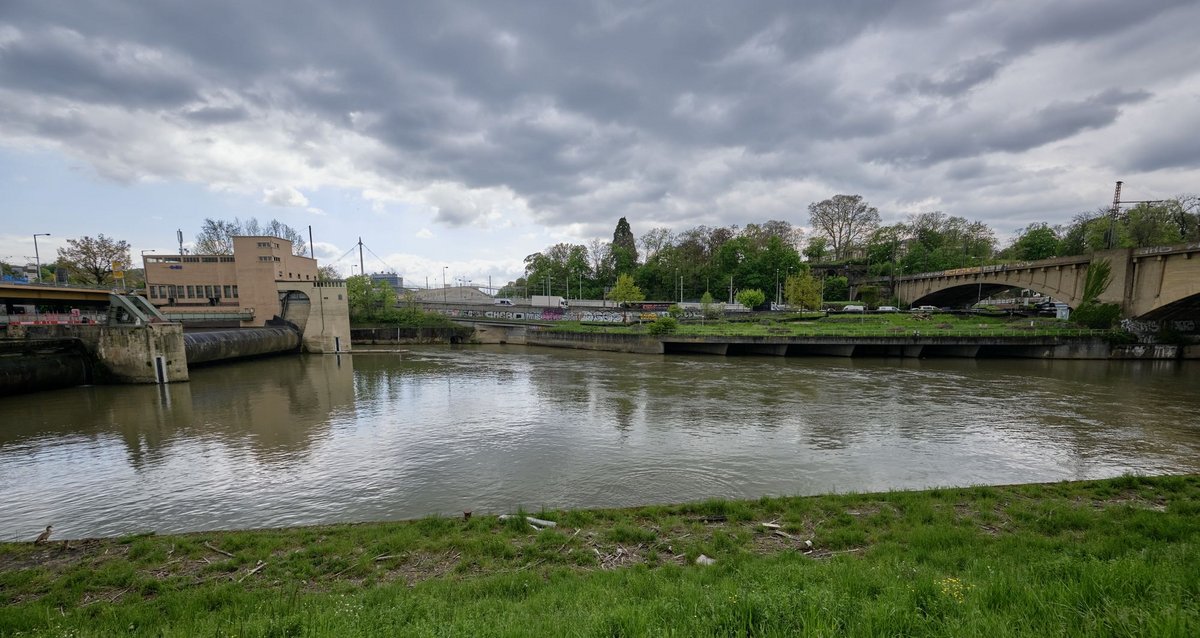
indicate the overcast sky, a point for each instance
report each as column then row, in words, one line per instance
column 467, row 135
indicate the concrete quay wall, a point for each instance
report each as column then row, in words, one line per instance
column 911, row 347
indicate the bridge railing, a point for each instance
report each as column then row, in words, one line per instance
column 54, row 318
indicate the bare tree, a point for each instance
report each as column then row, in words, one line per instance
column 216, row 235
column 655, row 240
column 598, row 251
column 845, row 220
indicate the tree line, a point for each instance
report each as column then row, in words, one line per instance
column 776, row 258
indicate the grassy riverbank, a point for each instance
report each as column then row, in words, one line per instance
column 1112, row 557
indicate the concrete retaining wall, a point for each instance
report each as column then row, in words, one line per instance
column 399, row 335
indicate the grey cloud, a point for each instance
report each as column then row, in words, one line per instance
column 65, row 63
column 217, row 114
column 959, row 136
column 1074, row 20
column 460, row 92
column 955, row 80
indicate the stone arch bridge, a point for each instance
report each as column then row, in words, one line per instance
column 1157, row 283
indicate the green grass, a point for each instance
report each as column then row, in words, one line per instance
column 1115, row 557
column 873, row 325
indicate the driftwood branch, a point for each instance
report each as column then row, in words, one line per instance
column 218, row 550
column 253, row 571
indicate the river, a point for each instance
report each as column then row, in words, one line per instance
column 300, row 440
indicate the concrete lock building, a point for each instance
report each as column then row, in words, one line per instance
column 262, row 280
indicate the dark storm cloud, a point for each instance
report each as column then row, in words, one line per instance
column 585, row 110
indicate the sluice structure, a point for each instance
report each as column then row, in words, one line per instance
column 133, row 342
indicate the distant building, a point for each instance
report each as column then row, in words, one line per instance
column 390, row 278
column 239, row 289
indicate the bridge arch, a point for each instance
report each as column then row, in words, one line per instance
column 1061, row 279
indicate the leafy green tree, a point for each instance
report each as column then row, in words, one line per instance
column 626, row 291
column 1036, row 241
column 837, row 288
column 369, row 299
column 557, row 270
column 327, row 273
column 751, row 297
column 709, row 308
column 89, row 260
column 1150, row 225
column 817, row 249
column 803, row 290
column 624, row 253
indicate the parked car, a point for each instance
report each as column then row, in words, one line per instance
column 887, row 309
column 926, row 309
column 854, row 308
column 503, row 302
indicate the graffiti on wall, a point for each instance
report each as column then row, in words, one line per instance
column 1144, row 327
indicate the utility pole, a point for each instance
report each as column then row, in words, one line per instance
column 361, row 270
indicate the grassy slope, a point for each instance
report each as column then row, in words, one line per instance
column 1114, row 557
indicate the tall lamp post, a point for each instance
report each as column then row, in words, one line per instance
column 37, row 258
column 444, row 283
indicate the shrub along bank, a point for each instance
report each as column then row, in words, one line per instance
column 1109, row 557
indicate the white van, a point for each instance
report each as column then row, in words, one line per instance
column 503, row 302
column 854, row 308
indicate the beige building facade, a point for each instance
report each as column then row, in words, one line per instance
column 243, row 287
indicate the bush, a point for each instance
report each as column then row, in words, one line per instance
column 662, row 326
column 676, row 311
column 1101, row 316
column 751, row 298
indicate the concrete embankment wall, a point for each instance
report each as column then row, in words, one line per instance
column 639, row 344
column 912, row 347
column 43, row 364
column 220, row 345
column 385, row 335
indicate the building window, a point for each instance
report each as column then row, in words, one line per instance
column 154, row 292
column 276, row 259
column 265, row 258
column 276, row 246
column 209, row 260
column 235, row 296
column 191, row 260
column 227, row 291
column 171, row 290
column 225, row 259
column 281, row 274
column 264, row 244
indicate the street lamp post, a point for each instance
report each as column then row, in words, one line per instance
column 37, row 258
column 444, row 283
